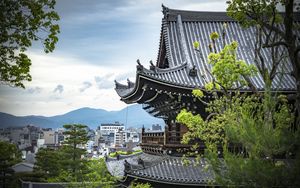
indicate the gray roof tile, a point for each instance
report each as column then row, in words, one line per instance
column 163, row 168
column 181, row 28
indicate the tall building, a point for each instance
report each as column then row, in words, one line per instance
column 52, row 138
column 112, row 134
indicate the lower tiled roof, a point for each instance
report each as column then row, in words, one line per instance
column 165, row 169
column 116, row 167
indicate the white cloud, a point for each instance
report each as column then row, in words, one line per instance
column 85, row 86
column 64, row 75
column 59, row 89
column 99, row 43
column 34, row 90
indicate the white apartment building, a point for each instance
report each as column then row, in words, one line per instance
column 111, row 127
column 113, row 133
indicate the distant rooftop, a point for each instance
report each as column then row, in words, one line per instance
column 112, row 124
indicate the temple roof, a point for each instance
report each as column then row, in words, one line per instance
column 179, row 65
column 164, row 169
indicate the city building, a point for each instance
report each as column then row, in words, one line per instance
column 110, row 134
column 51, row 138
column 114, row 136
column 156, row 127
column 111, row 127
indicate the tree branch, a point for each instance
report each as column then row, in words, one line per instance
column 210, row 115
column 279, row 43
column 268, row 26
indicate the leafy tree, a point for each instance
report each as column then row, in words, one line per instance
column 97, row 175
column 48, row 162
column 94, row 174
column 72, row 161
column 24, row 21
column 75, row 136
column 280, row 30
column 67, row 164
column 251, row 136
column 251, row 132
column 9, row 156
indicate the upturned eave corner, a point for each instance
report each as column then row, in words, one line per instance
column 165, row 10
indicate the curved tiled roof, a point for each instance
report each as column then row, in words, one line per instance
column 181, row 28
column 122, row 89
column 177, row 75
column 166, row 169
column 191, row 16
column 116, row 167
column 172, row 170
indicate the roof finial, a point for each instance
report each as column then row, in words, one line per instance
column 129, row 83
column 138, row 62
column 193, row 71
column 152, row 66
column 165, row 9
column 139, row 67
column 151, row 63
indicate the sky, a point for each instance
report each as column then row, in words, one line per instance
column 99, row 42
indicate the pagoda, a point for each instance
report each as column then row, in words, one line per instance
column 165, row 88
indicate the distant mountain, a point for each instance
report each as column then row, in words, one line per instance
column 7, row 120
column 131, row 116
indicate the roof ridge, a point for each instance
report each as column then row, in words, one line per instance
column 166, row 10
column 160, row 70
column 177, row 67
column 164, row 158
column 192, row 15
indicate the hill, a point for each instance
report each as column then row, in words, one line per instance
column 131, row 116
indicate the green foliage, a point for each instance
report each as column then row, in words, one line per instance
column 93, row 175
column 98, row 172
column 250, row 131
column 139, row 185
column 260, row 128
column 9, row 156
column 75, row 134
column 212, row 85
column 208, row 131
column 263, row 128
column 67, row 164
column 198, row 93
column 214, row 36
column 114, row 154
column 22, row 22
column 47, row 162
column 196, row 44
column 35, row 176
column 259, row 11
column 275, row 31
column 253, row 130
column 227, row 70
column 59, row 166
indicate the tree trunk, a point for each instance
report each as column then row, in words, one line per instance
column 74, row 157
column 292, row 50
